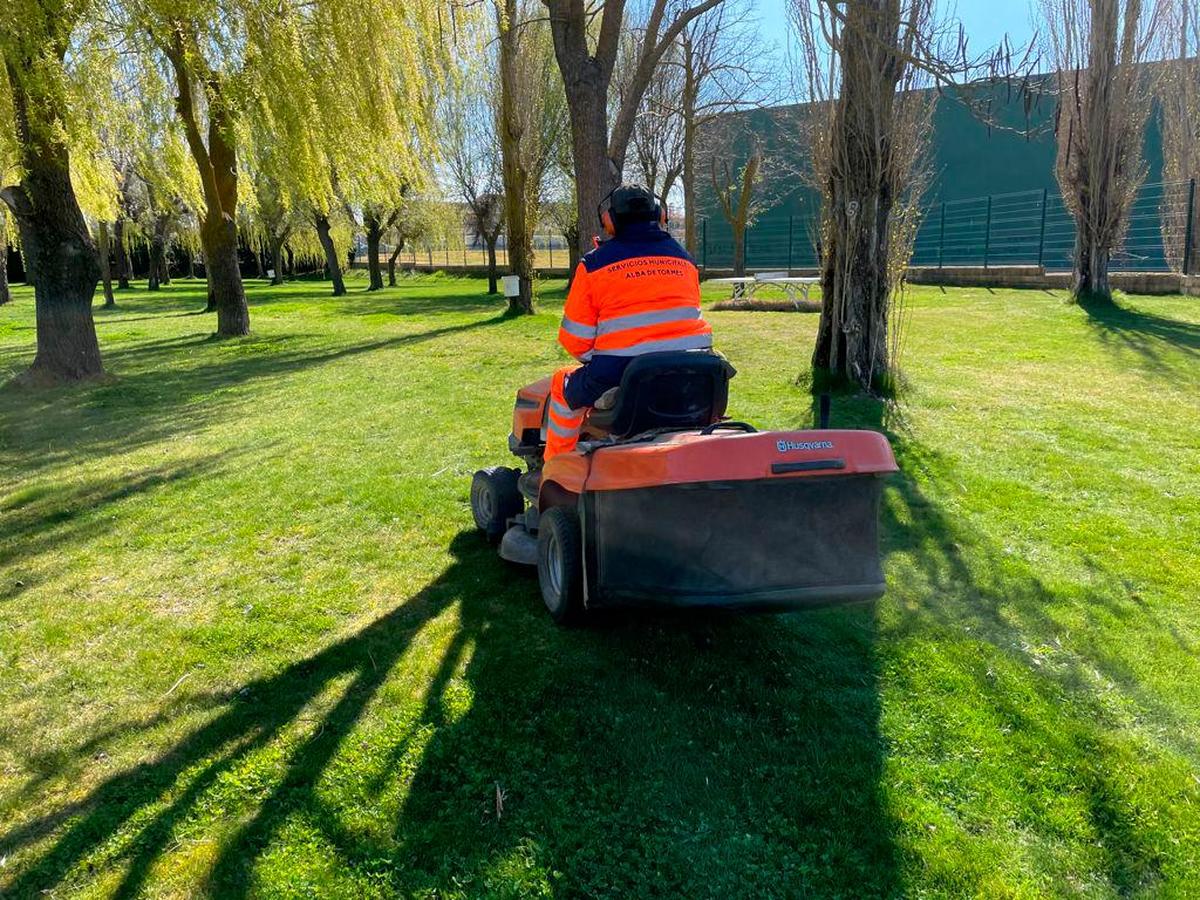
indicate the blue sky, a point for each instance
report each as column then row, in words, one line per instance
column 986, row 21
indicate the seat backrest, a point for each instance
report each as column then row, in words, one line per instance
column 683, row 389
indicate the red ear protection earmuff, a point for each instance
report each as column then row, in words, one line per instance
column 604, row 213
column 606, row 222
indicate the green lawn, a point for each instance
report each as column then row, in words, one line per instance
column 249, row 643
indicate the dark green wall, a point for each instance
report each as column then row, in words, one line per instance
column 970, row 159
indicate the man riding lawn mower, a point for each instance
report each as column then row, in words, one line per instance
column 639, row 490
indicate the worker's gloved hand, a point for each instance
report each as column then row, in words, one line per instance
column 608, row 399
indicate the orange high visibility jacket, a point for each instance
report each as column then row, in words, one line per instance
column 637, row 293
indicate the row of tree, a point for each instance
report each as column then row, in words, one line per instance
column 291, row 124
column 863, row 65
column 659, row 72
column 291, row 127
column 206, row 119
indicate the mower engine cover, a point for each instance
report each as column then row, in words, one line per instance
column 770, row 520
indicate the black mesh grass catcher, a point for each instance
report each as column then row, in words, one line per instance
column 770, row 544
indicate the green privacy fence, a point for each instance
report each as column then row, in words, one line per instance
column 1022, row 228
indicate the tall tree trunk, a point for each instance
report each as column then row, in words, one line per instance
column 277, row 259
column 586, row 79
column 520, row 251
column 586, row 66
column 738, row 230
column 392, row 262
column 1091, row 264
column 688, row 99
column 291, row 261
column 571, row 236
column 595, row 174
column 855, row 282
column 121, row 253
column 154, row 281
column 256, row 250
column 105, row 264
column 332, row 262
column 374, row 231
column 493, row 276
column 226, row 293
column 216, row 161
column 688, row 177
column 5, row 294
column 60, row 257
column 516, row 180
column 164, row 275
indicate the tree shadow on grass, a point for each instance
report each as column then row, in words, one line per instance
column 40, row 519
column 404, row 300
column 680, row 756
column 115, row 318
column 1151, row 337
column 159, row 387
column 646, row 754
column 1058, row 693
column 671, row 756
column 412, row 299
column 150, row 799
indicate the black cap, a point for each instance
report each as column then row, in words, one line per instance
column 633, row 203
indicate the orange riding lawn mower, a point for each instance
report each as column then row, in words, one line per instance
column 666, row 502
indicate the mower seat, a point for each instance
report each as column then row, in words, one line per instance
column 681, row 389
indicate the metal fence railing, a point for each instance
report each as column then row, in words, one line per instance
column 1023, row 228
column 550, row 251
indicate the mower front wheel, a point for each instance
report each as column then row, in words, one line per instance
column 495, row 498
column 560, row 564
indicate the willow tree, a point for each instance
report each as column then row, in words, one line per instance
column 375, row 123
column 194, row 55
column 415, row 219
column 278, row 219
column 151, row 184
column 287, row 165
column 60, row 255
column 330, row 232
column 252, row 70
column 1099, row 49
column 586, row 43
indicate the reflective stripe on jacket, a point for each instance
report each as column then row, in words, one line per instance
column 637, row 293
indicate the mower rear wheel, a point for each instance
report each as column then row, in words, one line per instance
column 560, row 564
column 495, row 498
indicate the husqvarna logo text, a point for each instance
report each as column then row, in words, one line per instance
column 785, row 446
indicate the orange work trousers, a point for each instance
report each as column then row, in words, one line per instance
column 562, row 423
